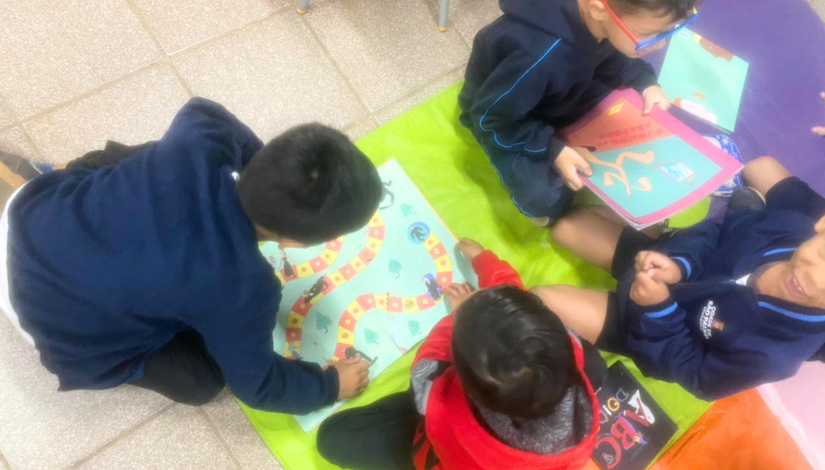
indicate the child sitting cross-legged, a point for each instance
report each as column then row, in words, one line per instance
column 498, row 384
column 718, row 307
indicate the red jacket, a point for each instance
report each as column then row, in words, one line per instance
column 451, row 438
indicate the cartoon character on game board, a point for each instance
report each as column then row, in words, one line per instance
column 289, row 272
column 433, row 289
column 315, row 290
column 388, row 198
column 352, row 353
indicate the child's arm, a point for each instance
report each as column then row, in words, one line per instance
column 690, row 247
column 663, row 347
column 502, row 106
column 491, row 272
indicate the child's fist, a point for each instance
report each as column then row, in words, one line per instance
column 646, row 291
column 456, row 294
column 353, row 376
column 659, row 267
column 569, row 163
column 469, row 248
column 654, row 95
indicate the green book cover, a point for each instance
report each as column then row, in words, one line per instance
column 704, row 79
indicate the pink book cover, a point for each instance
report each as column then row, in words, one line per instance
column 647, row 168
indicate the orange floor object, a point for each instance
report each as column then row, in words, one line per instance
column 738, row 432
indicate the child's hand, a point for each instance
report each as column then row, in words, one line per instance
column 659, row 267
column 646, row 291
column 353, row 376
column 569, row 162
column 469, row 248
column 820, row 130
column 456, row 294
column 654, row 95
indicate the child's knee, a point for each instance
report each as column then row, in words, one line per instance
column 762, row 166
column 563, row 230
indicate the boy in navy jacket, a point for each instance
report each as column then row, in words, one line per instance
column 718, row 307
column 543, row 65
column 140, row 264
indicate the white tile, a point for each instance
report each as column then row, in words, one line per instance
column 5, row 119
column 419, row 96
column 52, row 51
column 244, row 443
column 360, row 129
column 14, row 141
column 272, row 75
column 179, row 24
column 43, row 429
column 386, row 48
column 180, row 438
column 135, row 110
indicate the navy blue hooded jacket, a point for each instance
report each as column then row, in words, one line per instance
column 107, row 266
column 536, row 69
column 716, row 337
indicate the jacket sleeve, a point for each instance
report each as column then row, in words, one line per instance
column 690, row 248
column 663, row 347
column 618, row 71
column 502, row 106
column 491, row 272
column 238, row 334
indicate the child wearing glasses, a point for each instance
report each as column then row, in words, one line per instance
column 542, row 66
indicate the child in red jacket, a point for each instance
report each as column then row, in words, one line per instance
column 498, row 384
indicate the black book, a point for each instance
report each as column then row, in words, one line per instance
column 633, row 428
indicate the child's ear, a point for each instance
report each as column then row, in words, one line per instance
column 597, row 10
column 820, row 225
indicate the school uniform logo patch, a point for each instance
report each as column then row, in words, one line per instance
column 708, row 322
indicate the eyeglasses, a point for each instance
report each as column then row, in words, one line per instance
column 648, row 42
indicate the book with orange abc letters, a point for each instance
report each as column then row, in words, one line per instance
column 634, row 428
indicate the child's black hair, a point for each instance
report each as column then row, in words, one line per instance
column 310, row 184
column 676, row 9
column 513, row 355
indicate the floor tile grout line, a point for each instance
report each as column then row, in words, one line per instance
column 121, row 436
column 417, row 90
column 337, row 67
column 103, row 87
column 269, row 15
column 32, row 142
column 151, row 33
column 219, row 434
column 165, row 58
column 3, row 462
column 19, row 124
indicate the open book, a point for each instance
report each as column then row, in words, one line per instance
column 646, row 168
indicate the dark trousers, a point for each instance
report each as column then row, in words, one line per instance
column 380, row 436
column 183, row 371
column 374, row 437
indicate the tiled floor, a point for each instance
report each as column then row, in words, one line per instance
column 77, row 72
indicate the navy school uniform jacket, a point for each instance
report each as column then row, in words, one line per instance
column 536, row 69
column 716, row 337
column 107, row 266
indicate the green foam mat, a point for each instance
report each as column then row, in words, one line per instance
column 448, row 166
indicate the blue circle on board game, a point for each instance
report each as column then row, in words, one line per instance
column 418, row 232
